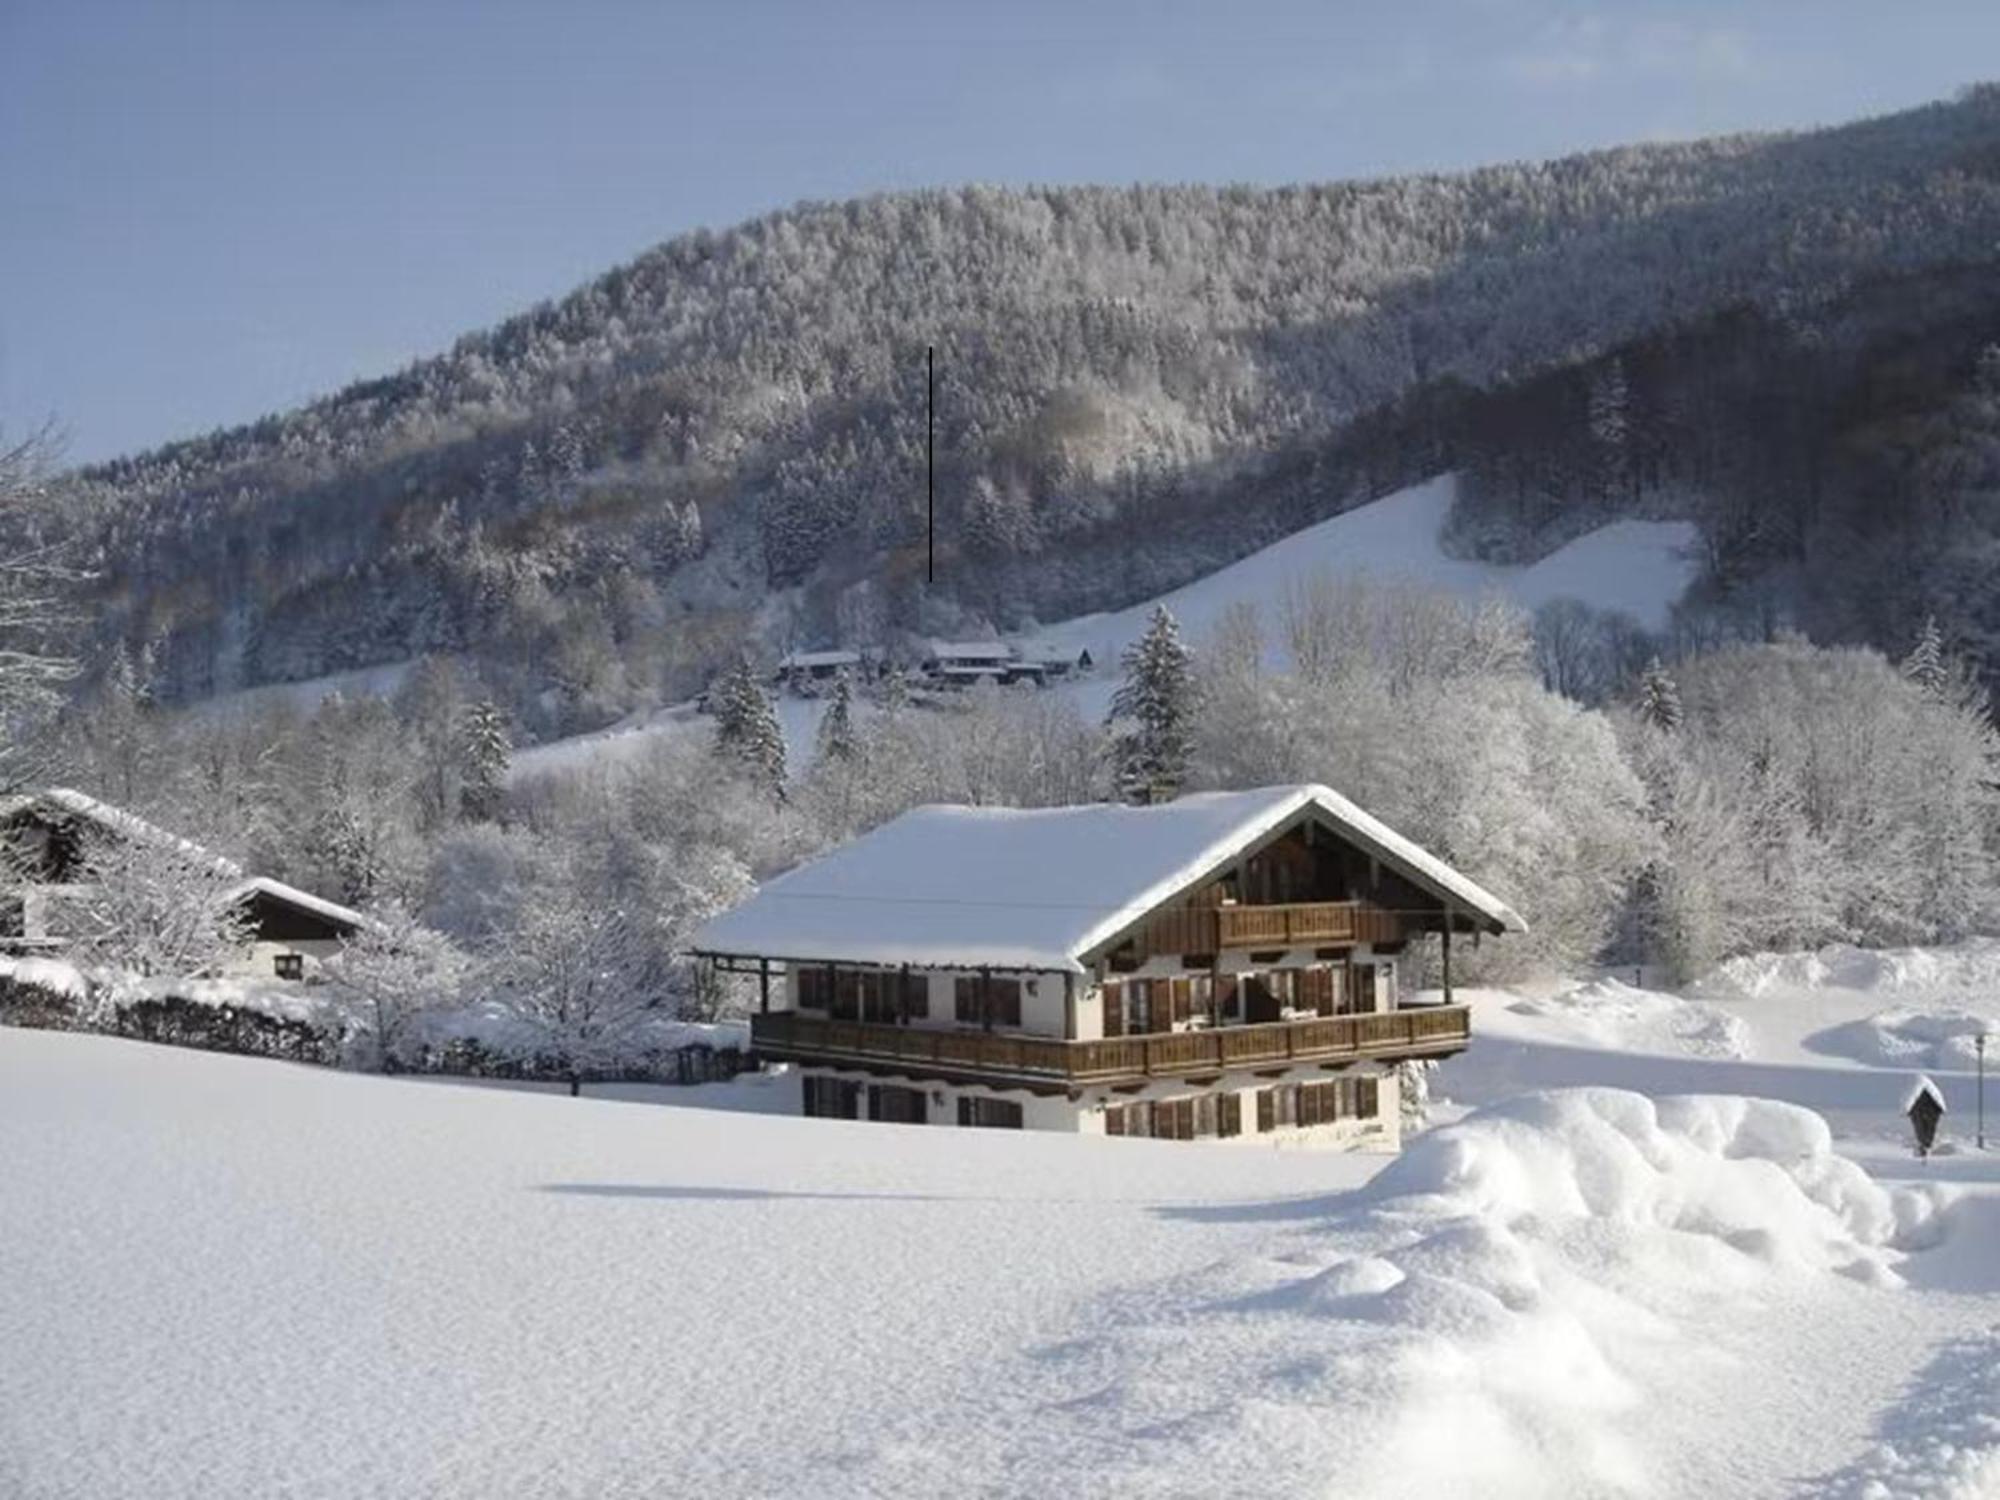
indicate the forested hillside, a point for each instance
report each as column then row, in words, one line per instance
column 595, row 501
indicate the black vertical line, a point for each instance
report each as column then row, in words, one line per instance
column 930, row 463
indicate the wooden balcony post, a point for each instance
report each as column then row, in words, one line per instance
column 764, row 985
column 1447, row 955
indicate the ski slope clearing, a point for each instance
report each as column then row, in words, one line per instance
column 1638, row 567
column 222, row 1276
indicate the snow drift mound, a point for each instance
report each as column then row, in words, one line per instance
column 1508, row 1309
column 1970, row 968
column 1753, row 1175
column 1899, row 1038
column 1609, row 1014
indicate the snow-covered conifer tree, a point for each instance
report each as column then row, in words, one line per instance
column 1925, row 665
column 484, row 754
column 746, row 727
column 1152, row 714
column 836, row 739
column 1659, row 699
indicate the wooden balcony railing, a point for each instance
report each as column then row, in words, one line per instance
column 1197, row 929
column 1419, row 1031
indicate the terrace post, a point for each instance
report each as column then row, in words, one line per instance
column 1447, row 955
column 764, row 985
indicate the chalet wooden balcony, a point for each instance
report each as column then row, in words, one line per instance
column 1418, row 1031
column 1212, row 929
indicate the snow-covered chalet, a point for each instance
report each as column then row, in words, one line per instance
column 1225, row 965
column 45, row 841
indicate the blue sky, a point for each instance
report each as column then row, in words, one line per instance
column 213, row 210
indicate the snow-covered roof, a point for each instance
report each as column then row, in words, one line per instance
column 114, row 820
column 291, row 895
column 1921, row 1087
column 808, row 659
column 972, row 650
column 1039, row 888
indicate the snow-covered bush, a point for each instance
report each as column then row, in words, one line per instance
column 390, row 974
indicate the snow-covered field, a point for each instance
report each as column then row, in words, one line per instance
column 1639, row 567
column 226, row 1277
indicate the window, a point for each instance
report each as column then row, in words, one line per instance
column 846, row 995
column 880, row 996
column 1229, row 1115
column 1305, row 1104
column 812, row 987
column 832, row 1099
column 897, row 1106
column 289, row 965
column 982, row 1000
column 916, row 995
column 992, row 1114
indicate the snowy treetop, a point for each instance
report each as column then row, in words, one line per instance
column 1036, row 889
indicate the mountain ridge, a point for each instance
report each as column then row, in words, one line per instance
column 602, row 495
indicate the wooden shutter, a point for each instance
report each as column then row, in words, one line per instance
column 1229, row 1115
column 1226, row 997
column 1183, row 999
column 1114, row 1008
column 1367, row 1098
column 965, row 1000
column 1267, row 1112
column 1114, row 1119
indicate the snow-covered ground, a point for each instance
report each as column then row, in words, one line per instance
column 224, row 1277
column 1639, row 567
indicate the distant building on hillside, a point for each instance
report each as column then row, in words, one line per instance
column 800, row 667
column 47, row 836
column 1221, row 966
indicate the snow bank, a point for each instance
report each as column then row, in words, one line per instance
column 1608, row 1014
column 53, row 974
column 1517, row 1306
column 1902, row 1038
column 1971, row 968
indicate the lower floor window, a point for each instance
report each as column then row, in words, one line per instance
column 999, row 1114
column 1196, row 1117
column 1303, row 1104
column 832, row 1099
column 897, row 1106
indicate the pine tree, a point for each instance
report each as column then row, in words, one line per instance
column 1925, row 665
column 746, row 726
column 1659, row 699
column 484, row 755
column 894, row 691
column 1156, row 703
column 836, row 728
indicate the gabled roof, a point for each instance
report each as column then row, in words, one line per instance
column 61, row 801
column 972, row 650
column 965, row 887
column 803, row 659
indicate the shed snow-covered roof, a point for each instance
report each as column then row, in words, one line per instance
column 1039, row 888
column 972, row 651
column 291, row 895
